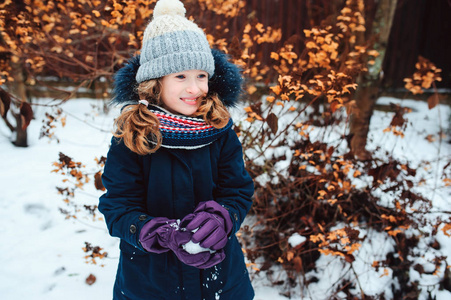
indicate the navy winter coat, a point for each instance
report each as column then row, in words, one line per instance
column 170, row 183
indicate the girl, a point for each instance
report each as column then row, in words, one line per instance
column 177, row 189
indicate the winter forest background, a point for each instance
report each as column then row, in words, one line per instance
column 345, row 123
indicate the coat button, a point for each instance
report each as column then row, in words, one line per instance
column 132, row 228
column 236, row 217
column 142, row 217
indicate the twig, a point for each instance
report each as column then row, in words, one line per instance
column 439, row 144
column 89, row 225
column 90, row 125
column 10, row 126
column 358, row 281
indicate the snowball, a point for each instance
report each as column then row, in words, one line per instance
column 194, row 248
column 296, row 239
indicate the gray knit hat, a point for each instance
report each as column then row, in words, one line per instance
column 172, row 44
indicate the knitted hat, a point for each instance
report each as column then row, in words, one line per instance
column 173, row 44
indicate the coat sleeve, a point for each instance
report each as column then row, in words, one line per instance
column 123, row 205
column 235, row 187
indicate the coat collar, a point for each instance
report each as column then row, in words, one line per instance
column 226, row 81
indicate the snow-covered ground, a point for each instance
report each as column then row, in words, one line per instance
column 41, row 254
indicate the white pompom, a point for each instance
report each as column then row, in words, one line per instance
column 169, row 7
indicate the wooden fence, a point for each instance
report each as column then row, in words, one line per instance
column 421, row 27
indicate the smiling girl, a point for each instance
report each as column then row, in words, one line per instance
column 177, row 188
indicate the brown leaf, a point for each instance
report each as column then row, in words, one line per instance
column 98, row 181
column 433, row 100
column 297, row 261
column 5, row 102
column 349, row 258
column 330, row 151
column 91, row 279
column 2, row 110
column 381, row 173
column 398, row 119
column 430, row 138
column 26, row 114
column 419, row 268
column 272, row 121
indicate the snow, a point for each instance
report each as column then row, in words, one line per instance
column 41, row 250
column 194, row 248
column 296, row 239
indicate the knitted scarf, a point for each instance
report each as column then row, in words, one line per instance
column 182, row 132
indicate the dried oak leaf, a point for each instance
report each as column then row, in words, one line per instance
column 380, row 173
column 297, row 262
column 98, row 181
column 5, row 102
column 26, row 114
column 398, row 118
column 272, row 121
column 91, row 279
column 433, row 100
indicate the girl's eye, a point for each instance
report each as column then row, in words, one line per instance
column 180, row 76
column 202, row 75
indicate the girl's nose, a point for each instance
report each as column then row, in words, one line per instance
column 193, row 88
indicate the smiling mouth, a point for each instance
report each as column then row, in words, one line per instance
column 189, row 100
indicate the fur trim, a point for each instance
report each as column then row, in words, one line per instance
column 125, row 85
column 226, row 81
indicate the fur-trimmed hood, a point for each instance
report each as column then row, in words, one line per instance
column 226, row 81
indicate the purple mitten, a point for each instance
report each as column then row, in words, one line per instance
column 209, row 260
column 202, row 260
column 211, row 225
column 162, row 234
column 213, row 260
column 157, row 235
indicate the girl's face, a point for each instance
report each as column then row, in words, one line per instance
column 181, row 92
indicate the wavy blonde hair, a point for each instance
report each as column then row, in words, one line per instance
column 139, row 127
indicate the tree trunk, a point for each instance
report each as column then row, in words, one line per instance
column 368, row 84
column 20, row 91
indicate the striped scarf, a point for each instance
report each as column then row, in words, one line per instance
column 182, row 132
